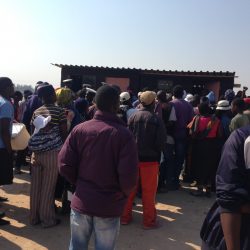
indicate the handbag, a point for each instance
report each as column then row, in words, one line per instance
column 19, row 137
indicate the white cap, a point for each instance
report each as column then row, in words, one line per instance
column 41, row 122
column 189, row 98
column 124, row 96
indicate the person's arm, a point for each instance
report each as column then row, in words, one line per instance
column 68, row 158
column 231, row 223
column 5, row 133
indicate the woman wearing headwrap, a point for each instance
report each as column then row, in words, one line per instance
column 65, row 98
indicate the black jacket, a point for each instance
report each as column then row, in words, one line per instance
column 232, row 190
column 150, row 134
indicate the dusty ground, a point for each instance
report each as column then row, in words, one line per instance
column 181, row 216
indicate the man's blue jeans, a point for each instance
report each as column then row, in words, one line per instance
column 180, row 154
column 167, row 167
column 105, row 230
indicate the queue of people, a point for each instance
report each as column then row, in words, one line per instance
column 105, row 146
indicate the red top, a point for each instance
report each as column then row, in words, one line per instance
column 203, row 123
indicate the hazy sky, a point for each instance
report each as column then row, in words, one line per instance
column 160, row 34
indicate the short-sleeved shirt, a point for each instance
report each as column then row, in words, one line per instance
column 7, row 112
column 49, row 137
column 240, row 120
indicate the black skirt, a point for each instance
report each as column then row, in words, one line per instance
column 205, row 159
column 6, row 167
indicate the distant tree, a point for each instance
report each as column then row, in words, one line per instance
column 22, row 87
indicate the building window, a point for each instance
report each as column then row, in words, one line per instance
column 166, row 85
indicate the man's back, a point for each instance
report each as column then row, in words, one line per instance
column 103, row 155
column 149, row 132
column 184, row 114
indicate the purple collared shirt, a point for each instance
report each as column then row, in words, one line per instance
column 100, row 158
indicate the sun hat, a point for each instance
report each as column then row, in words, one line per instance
column 223, row 105
column 124, row 96
column 147, row 97
column 40, row 122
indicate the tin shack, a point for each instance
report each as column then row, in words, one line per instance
column 138, row 79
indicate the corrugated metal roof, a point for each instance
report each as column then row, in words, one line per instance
column 153, row 71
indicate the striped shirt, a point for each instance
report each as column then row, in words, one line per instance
column 57, row 114
column 48, row 138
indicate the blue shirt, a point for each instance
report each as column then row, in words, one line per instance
column 6, row 111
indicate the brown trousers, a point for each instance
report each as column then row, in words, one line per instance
column 44, row 174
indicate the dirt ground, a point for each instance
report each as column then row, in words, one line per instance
column 180, row 214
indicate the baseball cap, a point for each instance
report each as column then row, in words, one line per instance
column 147, row 97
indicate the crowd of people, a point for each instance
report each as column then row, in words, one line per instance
column 108, row 146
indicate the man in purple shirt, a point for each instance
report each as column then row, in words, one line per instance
column 99, row 157
column 184, row 114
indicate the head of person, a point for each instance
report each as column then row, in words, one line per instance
column 81, row 105
column 178, row 92
column 229, row 95
column 90, row 95
column 27, row 93
column 125, row 98
column 204, row 109
column 82, row 93
column 107, row 99
column 238, row 106
column 196, row 100
column 161, row 96
column 64, row 97
column 38, row 85
column 68, row 83
column 223, row 107
column 18, row 96
column 204, row 99
column 6, row 87
column 147, row 99
column 47, row 94
column 247, row 102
